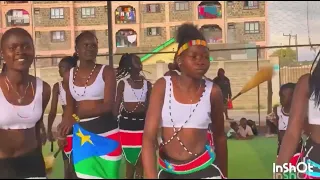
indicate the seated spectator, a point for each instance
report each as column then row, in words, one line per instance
column 245, row 131
column 253, row 126
column 232, row 133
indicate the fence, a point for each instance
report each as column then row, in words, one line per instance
column 240, row 67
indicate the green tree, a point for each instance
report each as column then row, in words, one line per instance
column 286, row 56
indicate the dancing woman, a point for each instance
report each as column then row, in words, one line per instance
column 131, row 103
column 184, row 106
column 90, row 91
column 305, row 105
column 59, row 96
column 24, row 99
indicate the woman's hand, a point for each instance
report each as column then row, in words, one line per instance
column 65, row 126
column 50, row 136
column 62, row 143
column 43, row 136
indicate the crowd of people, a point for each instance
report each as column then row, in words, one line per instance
column 112, row 114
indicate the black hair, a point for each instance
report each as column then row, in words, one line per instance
column 188, row 32
column 125, row 65
column 78, row 38
column 232, row 124
column 287, row 86
column 314, row 85
column 69, row 60
column 14, row 31
column 221, row 69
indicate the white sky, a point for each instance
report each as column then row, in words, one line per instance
column 291, row 17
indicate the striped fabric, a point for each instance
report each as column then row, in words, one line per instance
column 131, row 132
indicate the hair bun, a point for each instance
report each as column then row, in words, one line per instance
column 187, row 32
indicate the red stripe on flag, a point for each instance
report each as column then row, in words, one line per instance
column 131, row 139
column 68, row 147
column 115, row 137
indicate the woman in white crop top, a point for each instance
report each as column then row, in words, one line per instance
column 184, row 106
column 90, row 91
column 23, row 99
column 131, row 105
column 304, row 115
column 59, row 97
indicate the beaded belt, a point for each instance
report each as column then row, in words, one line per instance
column 201, row 162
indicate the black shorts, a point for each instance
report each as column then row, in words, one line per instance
column 29, row 165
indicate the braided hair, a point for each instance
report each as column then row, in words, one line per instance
column 314, row 84
column 125, row 65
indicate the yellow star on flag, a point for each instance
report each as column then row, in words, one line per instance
column 84, row 138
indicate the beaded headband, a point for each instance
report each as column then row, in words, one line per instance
column 191, row 43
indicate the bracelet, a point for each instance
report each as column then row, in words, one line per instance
column 76, row 117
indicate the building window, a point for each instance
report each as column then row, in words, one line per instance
column 125, row 14
column 251, row 4
column 251, row 27
column 57, row 36
column 57, row 13
column 209, row 10
column 126, row 38
column 87, row 12
column 181, row 6
column 17, row 17
column 153, row 8
column 154, row 31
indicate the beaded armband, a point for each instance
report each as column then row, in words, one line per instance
column 76, row 117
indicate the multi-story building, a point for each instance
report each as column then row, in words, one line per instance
column 137, row 25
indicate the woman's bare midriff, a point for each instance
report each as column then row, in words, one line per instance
column 194, row 140
column 130, row 106
column 14, row 143
column 88, row 105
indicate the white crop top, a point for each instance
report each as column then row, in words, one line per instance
column 283, row 119
column 21, row 117
column 62, row 95
column 134, row 95
column 314, row 112
column 93, row 92
column 200, row 118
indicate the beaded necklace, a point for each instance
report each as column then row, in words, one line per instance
column 176, row 131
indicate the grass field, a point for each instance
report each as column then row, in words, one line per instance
column 247, row 159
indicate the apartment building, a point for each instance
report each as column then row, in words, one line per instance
column 138, row 26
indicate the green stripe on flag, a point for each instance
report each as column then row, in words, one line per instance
column 99, row 168
column 132, row 154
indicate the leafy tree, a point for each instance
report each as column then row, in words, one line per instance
column 286, row 56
